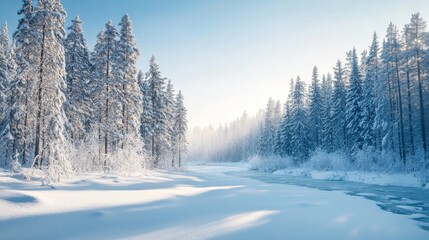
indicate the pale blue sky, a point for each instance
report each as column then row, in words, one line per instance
column 228, row 56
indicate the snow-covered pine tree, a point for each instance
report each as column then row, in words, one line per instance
column 417, row 48
column 107, row 95
column 6, row 137
column 390, row 56
column 169, row 102
column 22, row 105
column 78, row 69
column 407, row 56
column 299, row 124
column 4, row 91
column 269, row 130
column 282, row 144
column 348, row 66
column 354, row 107
column 278, row 114
column 315, row 110
column 146, row 119
column 390, row 142
column 156, row 85
column 127, row 74
column 339, row 108
column 4, row 72
column 327, row 138
column 96, row 116
column 50, row 118
column 362, row 65
column 286, row 132
column 384, row 99
column 368, row 104
column 180, row 128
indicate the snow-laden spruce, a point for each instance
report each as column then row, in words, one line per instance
column 78, row 68
column 272, row 120
column 127, row 74
column 4, row 73
column 354, row 107
column 21, row 90
column 107, row 94
column 299, row 117
column 315, row 110
column 179, row 130
column 49, row 22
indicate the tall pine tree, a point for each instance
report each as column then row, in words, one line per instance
column 78, row 68
column 368, row 104
column 299, row 123
column 156, row 84
column 315, row 110
column 353, row 112
column 339, row 108
column 50, row 118
column 417, row 48
column 180, row 128
column 127, row 74
column 107, row 96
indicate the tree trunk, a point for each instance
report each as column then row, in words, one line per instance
column 6, row 153
column 422, row 112
column 71, row 91
column 124, row 111
column 99, row 140
column 392, row 107
column 43, row 140
column 106, row 136
column 39, row 103
column 124, row 121
column 106, row 140
column 155, row 159
column 180, row 159
column 401, row 119
column 24, row 144
column 410, row 123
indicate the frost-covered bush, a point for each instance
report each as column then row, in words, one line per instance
column 85, row 156
column 366, row 160
column 321, row 160
column 15, row 165
column 89, row 156
column 369, row 160
column 57, row 169
column 58, row 163
column 269, row 163
column 127, row 160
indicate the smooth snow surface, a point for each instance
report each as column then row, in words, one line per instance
column 205, row 202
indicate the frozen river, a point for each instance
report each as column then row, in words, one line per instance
column 410, row 201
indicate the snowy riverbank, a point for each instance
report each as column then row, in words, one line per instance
column 383, row 179
column 333, row 167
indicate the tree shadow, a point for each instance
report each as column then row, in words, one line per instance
column 166, row 218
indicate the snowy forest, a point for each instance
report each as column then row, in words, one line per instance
column 96, row 141
column 65, row 109
column 370, row 113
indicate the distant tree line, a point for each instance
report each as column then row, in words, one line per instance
column 376, row 102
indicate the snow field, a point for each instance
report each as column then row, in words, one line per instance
column 201, row 203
